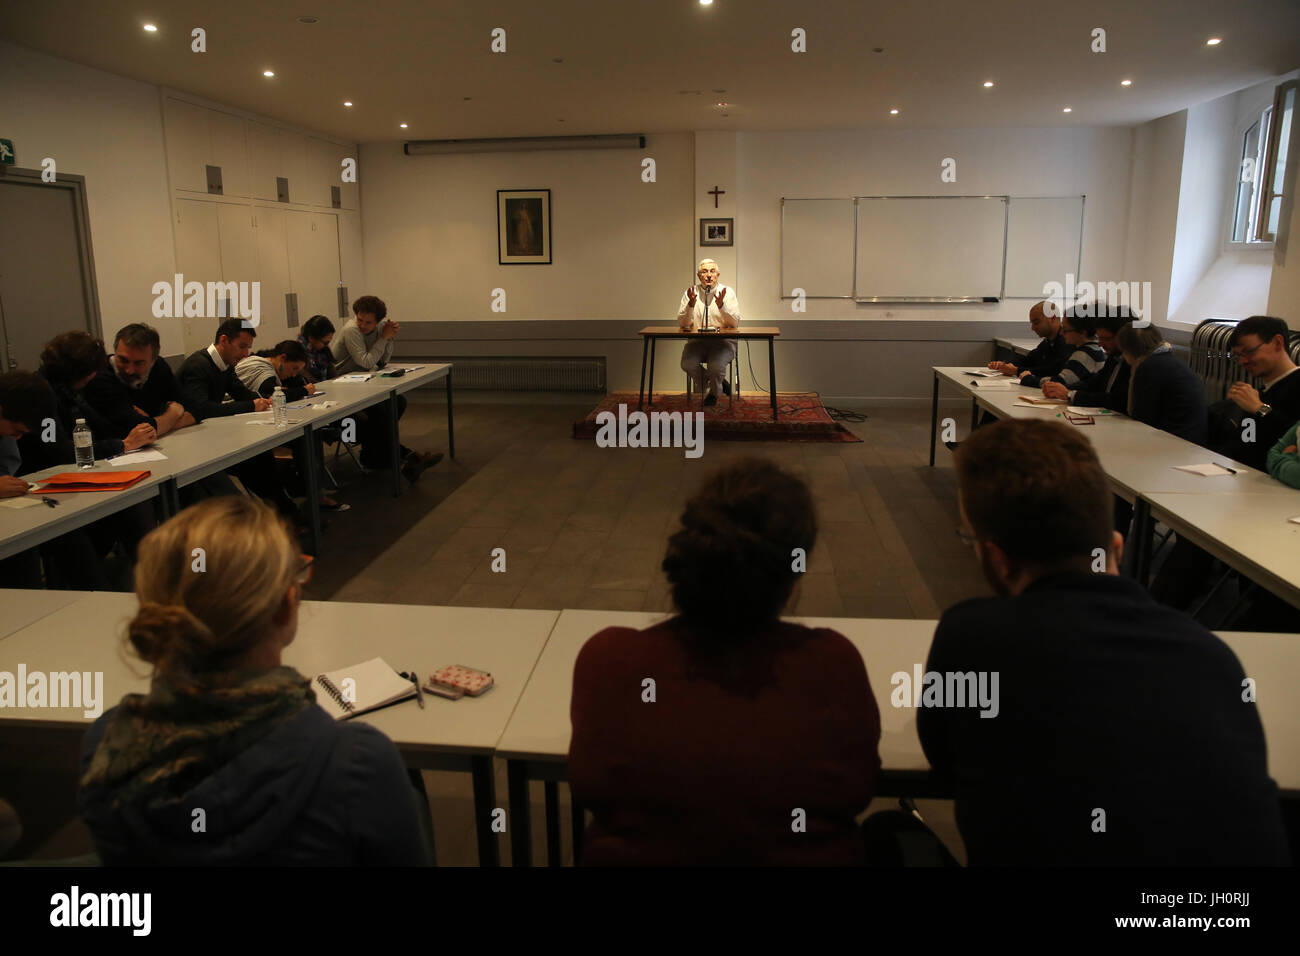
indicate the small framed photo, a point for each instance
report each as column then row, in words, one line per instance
column 716, row 232
column 524, row 227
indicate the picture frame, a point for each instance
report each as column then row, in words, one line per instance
column 717, row 232
column 524, row 227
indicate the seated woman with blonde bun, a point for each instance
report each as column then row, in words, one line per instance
column 228, row 760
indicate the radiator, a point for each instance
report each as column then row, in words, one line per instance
column 503, row 374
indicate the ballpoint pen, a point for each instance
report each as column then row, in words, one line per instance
column 49, row 501
column 419, row 691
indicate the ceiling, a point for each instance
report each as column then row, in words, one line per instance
column 625, row 64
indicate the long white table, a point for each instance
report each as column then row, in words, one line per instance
column 86, row 635
column 1140, row 463
column 20, row 607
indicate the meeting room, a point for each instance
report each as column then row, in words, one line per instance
column 349, row 517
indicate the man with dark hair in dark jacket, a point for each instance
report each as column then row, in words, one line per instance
column 1115, row 724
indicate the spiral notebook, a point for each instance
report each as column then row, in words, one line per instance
column 363, row 687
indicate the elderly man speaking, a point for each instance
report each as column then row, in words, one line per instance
column 709, row 305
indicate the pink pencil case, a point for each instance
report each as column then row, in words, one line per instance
column 454, row 677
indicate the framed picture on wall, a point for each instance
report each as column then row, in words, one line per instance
column 524, row 227
column 716, row 232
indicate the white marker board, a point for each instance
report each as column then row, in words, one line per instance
column 1044, row 238
column 817, row 247
column 928, row 249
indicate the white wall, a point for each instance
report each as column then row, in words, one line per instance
column 620, row 246
column 108, row 129
column 1157, row 171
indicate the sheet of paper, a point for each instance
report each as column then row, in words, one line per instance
column 1081, row 410
column 408, row 368
column 1209, row 470
column 986, row 373
column 24, row 501
column 1007, row 383
column 355, row 377
column 1024, row 404
column 136, row 457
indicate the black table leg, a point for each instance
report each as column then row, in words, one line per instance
column 771, row 371
column 654, row 341
column 484, row 806
column 312, row 480
column 552, row 823
column 521, row 830
column 974, row 413
column 396, row 449
column 934, row 417
column 640, row 395
column 1142, row 528
column 451, row 425
column 579, row 826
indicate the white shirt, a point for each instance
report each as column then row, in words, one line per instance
column 726, row 316
column 216, row 357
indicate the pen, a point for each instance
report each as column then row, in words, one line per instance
column 419, row 691
column 1226, row 468
column 49, row 501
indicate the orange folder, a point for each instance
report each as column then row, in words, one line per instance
column 92, row 481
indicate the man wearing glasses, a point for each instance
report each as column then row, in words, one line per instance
column 1259, row 344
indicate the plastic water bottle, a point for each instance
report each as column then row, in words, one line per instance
column 84, row 443
column 279, row 411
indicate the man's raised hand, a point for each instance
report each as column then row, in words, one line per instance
column 690, row 296
column 719, row 296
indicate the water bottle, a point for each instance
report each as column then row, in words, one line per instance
column 84, row 442
column 279, row 413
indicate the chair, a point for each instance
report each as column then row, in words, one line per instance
column 733, row 376
column 333, row 435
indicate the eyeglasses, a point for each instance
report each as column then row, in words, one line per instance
column 1240, row 354
column 304, row 572
column 968, row 538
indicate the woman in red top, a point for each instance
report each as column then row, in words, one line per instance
column 725, row 735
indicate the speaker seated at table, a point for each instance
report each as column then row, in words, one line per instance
column 709, row 305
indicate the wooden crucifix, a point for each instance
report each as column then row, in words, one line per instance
column 715, row 192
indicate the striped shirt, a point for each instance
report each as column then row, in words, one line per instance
column 1083, row 363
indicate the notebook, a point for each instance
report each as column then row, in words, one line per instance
column 363, row 687
column 91, row 481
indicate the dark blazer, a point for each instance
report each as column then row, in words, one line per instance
column 117, row 401
column 1167, row 394
column 713, row 771
column 1046, row 358
column 1284, row 401
column 1107, row 701
column 1107, row 387
column 204, row 387
column 70, row 405
column 313, row 792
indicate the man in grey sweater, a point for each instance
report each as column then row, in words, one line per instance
column 365, row 344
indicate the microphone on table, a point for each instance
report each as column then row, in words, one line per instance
column 708, row 292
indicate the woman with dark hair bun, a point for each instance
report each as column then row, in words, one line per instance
column 726, row 735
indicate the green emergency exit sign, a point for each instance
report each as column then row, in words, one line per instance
column 6, row 152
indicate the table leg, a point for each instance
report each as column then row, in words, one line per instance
column 484, row 805
column 974, row 414
column 579, row 821
column 654, row 342
column 552, row 823
column 451, row 425
column 312, row 480
column 771, row 372
column 640, row 395
column 1142, row 527
column 521, row 830
column 934, row 417
column 426, row 816
column 394, row 443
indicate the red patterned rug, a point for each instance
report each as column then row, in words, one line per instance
column 803, row 417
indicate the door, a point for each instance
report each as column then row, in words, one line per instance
column 45, row 280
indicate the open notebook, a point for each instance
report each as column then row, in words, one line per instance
column 355, row 690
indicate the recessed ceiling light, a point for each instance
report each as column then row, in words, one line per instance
column 150, row 28
column 347, row 102
column 1213, row 41
column 706, row 3
column 1125, row 82
column 1067, row 110
column 893, row 112
column 268, row 73
column 988, row 83
column 403, row 125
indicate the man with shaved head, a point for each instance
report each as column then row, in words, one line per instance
column 1051, row 354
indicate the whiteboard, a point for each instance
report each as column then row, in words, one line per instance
column 928, row 249
column 1044, row 236
column 817, row 247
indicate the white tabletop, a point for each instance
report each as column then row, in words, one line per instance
column 87, row 636
column 1249, row 532
column 21, row 607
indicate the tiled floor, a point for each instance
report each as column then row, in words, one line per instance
column 586, row 527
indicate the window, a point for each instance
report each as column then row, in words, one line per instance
column 1260, row 175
